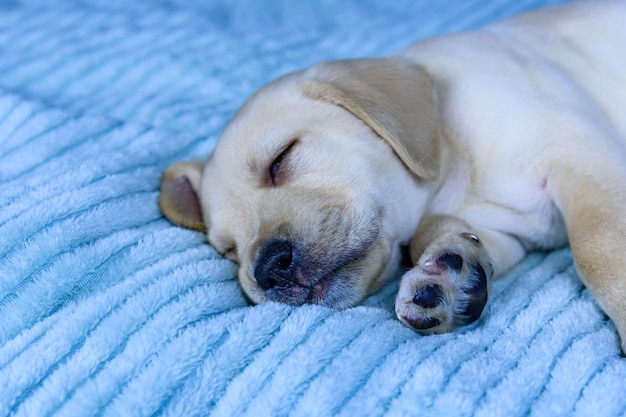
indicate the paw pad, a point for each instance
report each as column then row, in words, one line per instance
column 477, row 295
column 428, row 296
column 452, row 261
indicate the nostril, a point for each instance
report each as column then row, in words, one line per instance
column 268, row 283
column 275, row 265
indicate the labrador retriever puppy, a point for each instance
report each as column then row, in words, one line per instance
column 472, row 149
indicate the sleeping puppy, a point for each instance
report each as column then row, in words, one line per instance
column 473, row 149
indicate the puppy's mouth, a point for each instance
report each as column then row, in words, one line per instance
column 331, row 288
column 319, row 291
column 296, row 294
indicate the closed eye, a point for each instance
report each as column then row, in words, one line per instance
column 277, row 163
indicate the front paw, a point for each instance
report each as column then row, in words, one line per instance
column 447, row 288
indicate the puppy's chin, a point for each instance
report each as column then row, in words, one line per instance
column 339, row 291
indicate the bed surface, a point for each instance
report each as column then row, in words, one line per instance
column 108, row 309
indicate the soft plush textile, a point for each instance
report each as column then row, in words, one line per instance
column 108, row 309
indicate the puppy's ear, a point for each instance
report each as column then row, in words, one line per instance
column 393, row 96
column 178, row 201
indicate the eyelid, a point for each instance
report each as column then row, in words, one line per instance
column 275, row 165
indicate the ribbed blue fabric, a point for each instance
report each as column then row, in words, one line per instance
column 108, row 309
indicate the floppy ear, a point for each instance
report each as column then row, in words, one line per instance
column 393, row 96
column 178, row 201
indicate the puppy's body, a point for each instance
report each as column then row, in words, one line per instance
column 515, row 98
column 475, row 147
column 534, row 111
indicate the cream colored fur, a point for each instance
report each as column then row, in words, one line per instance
column 483, row 145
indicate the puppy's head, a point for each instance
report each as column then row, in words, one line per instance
column 317, row 181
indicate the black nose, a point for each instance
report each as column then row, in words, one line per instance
column 275, row 265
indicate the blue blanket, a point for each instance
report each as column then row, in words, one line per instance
column 108, row 309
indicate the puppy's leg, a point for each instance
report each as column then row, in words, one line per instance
column 592, row 197
column 448, row 286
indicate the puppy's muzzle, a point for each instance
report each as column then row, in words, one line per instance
column 285, row 275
